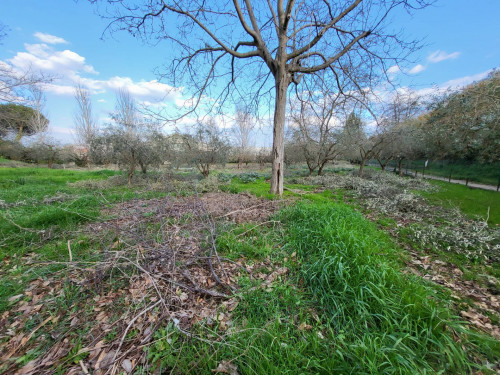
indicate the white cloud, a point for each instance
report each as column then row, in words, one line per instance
column 50, row 39
column 464, row 81
column 44, row 58
column 151, row 92
column 453, row 84
column 417, row 69
column 41, row 50
column 142, row 89
column 394, row 69
column 68, row 68
column 65, row 90
column 61, row 130
column 438, row 56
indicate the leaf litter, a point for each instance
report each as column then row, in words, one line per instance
column 156, row 263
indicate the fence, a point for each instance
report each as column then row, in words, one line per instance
column 487, row 173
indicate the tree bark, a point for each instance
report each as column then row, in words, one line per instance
column 19, row 133
column 131, row 169
column 282, row 82
column 144, row 168
column 130, row 175
column 320, row 170
column 362, row 166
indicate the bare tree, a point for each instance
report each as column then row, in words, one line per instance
column 86, row 127
column 15, row 86
column 38, row 121
column 126, row 137
column 242, row 132
column 268, row 47
column 44, row 147
column 316, row 125
column 391, row 134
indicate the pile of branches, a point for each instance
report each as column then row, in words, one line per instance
column 157, row 263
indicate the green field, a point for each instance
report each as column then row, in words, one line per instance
column 473, row 202
column 329, row 292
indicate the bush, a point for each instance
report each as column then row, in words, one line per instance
column 249, row 177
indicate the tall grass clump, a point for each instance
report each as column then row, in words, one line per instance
column 383, row 321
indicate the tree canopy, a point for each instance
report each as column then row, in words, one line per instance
column 19, row 119
column 465, row 124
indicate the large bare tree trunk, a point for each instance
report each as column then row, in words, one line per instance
column 282, row 82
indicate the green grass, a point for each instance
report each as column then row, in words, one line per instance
column 248, row 240
column 260, row 188
column 473, row 202
column 460, row 170
column 389, row 322
column 344, row 308
column 35, row 183
column 47, row 226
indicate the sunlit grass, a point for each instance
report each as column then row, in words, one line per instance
column 473, row 202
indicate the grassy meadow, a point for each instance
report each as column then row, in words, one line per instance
column 180, row 275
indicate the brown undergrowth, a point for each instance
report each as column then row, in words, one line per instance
column 155, row 262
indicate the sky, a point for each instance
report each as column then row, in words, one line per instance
column 64, row 38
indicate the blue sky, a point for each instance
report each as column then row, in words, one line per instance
column 63, row 38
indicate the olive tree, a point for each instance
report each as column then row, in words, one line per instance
column 262, row 48
column 130, row 141
column 207, row 146
column 465, row 124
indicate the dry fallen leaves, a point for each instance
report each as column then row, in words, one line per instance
column 226, row 367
